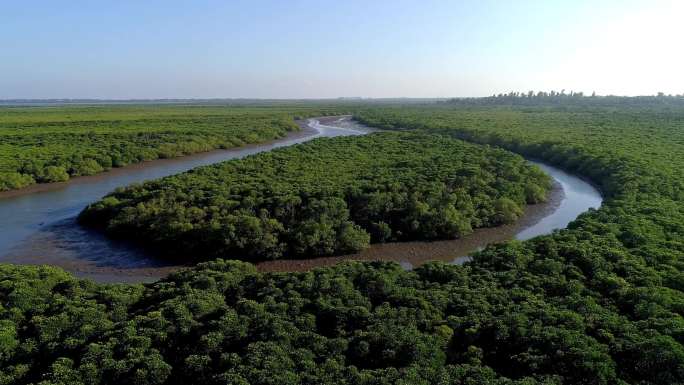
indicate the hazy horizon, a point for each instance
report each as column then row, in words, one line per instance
column 322, row 50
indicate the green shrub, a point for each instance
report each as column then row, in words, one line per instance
column 54, row 174
column 325, row 197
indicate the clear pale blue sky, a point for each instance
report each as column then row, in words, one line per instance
column 311, row 49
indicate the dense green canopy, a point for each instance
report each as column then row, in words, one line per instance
column 598, row 303
column 329, row 196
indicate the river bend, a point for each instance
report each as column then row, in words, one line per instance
column 38, row 225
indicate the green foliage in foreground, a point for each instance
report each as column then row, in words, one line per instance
column 598, row 303
column 52, row 144
column 492, row 322
column 626, row 257
column 329, row 196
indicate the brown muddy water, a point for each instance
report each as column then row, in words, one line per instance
column 38, row 224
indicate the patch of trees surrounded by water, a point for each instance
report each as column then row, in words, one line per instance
column 326, row 197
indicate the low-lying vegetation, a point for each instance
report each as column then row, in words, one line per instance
column 52, row 144
column 598, row 303
column 326, row 197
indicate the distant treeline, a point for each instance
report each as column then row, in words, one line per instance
column 556, row 98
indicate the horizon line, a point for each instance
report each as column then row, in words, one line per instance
column 338, row 98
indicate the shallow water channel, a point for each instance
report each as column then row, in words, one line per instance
column 38, row 224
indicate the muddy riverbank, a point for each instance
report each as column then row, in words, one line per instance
column 201, row 158
column 413, row 254
column 38, row 225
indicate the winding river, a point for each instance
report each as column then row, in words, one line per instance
column 38, row 224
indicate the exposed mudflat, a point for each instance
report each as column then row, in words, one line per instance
column 38, row 223
column 413, row 254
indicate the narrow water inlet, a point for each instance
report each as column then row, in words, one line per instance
column 579, row 196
